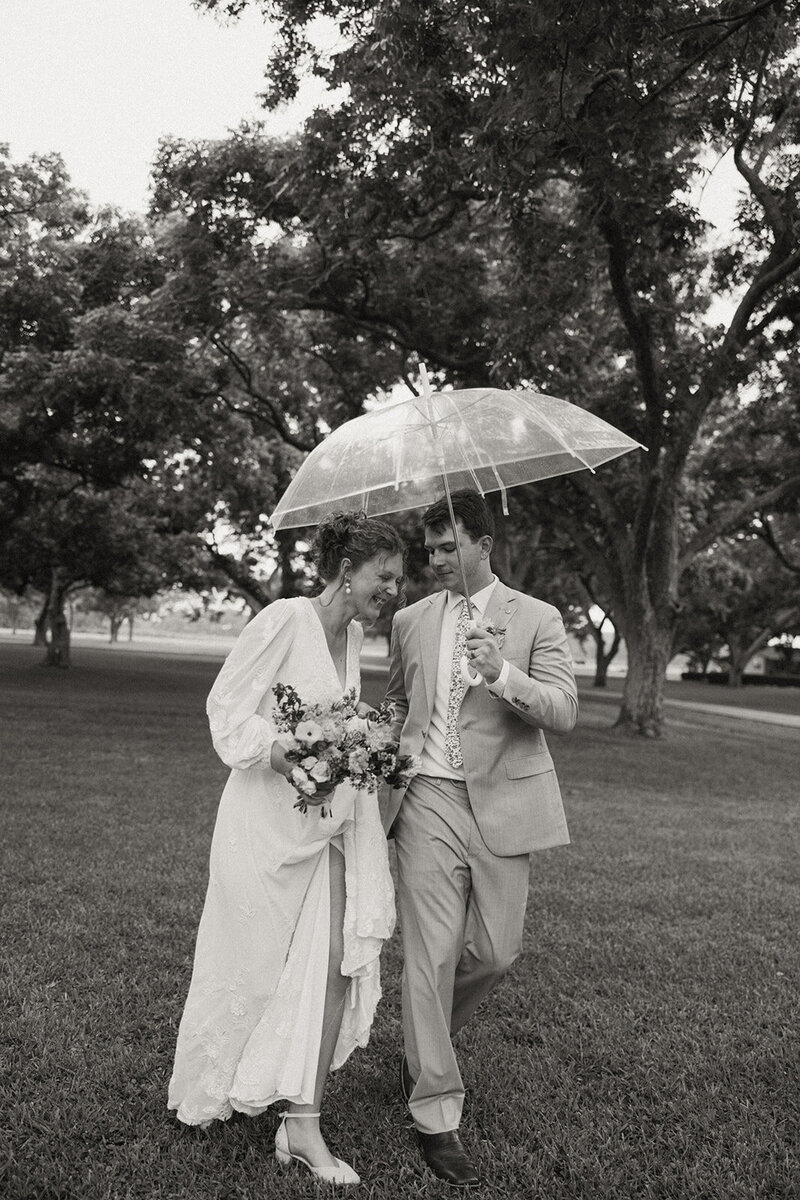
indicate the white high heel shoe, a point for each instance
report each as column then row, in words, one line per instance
column 341, row 1173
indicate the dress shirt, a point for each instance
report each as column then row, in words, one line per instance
column 433, row 758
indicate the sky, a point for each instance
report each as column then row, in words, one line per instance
column 100, row 81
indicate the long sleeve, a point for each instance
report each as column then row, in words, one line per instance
column 545, row 697
column 238, row 705
column 396, row 688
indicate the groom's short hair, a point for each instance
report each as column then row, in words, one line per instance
column 469, row 507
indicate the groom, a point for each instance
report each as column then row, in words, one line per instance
column 485, row 797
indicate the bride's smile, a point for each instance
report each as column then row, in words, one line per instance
column 373, row 584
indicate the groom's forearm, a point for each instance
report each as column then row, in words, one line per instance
column 546, row 697
column 547, row 706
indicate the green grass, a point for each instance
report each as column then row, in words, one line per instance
column 645, row 1045
column 764, row 697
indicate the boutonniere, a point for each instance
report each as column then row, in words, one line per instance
column 498, row 632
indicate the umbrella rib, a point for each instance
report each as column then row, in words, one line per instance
column 398, row 466
column 560, row 438
column 487, row 463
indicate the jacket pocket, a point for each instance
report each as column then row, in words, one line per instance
column 532, row 764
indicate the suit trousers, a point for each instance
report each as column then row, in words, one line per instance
column 462, row 911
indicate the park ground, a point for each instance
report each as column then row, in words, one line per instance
column 644, row 1045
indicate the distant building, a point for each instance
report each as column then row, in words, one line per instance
column 775, row 660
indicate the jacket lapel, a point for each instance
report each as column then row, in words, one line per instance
column 500, row 610
column 430, row 634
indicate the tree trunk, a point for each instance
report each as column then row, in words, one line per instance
column 741, row 653
column 116, row 625
column 40, row 626
column 512, row 557
column 286, row 541
column 642, row 708
column 130, row 627
column 58, row 639
column 648, row 638
column 255, row 593
column 604, row 658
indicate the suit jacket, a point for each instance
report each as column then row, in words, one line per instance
column 512, row 785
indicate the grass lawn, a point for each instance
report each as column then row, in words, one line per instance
column 645, row 1045
column 765, row 698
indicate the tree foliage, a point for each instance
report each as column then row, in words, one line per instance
column 510, row 192
column 738, row 597
column 95, row 392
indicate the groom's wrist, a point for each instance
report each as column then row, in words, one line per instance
column 497, row 686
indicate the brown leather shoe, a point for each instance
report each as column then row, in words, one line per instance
column 407, row 1082
column 447, row 1158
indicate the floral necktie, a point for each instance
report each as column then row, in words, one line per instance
column 452, row 740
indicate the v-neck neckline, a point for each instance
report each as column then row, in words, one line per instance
column 335, row 672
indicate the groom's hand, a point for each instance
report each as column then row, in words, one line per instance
column 483, row 653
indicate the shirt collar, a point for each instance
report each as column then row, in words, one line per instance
column 479, row 600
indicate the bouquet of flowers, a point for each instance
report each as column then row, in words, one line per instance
column 383, row 757
column 330, row 744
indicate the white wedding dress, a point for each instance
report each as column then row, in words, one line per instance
column 250, row 1031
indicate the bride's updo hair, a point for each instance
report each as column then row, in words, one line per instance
column 352, row 535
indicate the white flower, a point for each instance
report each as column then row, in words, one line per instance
column 309, row 763
column 378, row 737
column 287, row 740
column 358, row 761
column 321, row 771
column 308, row 732
column 302, row 782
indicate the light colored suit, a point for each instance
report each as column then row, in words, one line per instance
column 463, row 847
column 512, row 784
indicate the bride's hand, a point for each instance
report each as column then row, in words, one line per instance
column 320, row 795
column 280, row 763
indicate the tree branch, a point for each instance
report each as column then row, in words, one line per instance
column 734, row 516
column 638, row 329
column 785, row 307
column 275, row 416
column 404, row 338
column 708, row 51
column 772, row 272
column 767, row 534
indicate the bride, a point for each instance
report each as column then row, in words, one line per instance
column 286, row 969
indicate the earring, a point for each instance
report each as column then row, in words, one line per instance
column 347, row 588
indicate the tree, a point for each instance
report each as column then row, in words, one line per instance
column 737, row 595
column 560, row 145
column 89, row 538
column 97, row 397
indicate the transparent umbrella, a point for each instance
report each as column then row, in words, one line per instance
column 404, row 455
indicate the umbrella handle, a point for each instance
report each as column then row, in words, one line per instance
column 466, row 673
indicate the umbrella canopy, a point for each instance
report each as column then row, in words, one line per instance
column 395, row 457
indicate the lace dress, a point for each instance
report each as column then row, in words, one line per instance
column 251, row 1028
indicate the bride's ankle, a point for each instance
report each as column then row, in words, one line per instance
column 301, row 1119
column 304, row 1130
